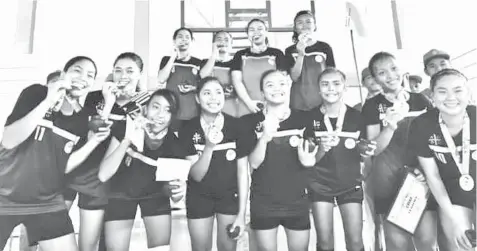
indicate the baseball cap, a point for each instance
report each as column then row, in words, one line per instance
column 434, row 53
column 365, row 73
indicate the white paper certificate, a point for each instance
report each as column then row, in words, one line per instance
column 410, row 204
column 172, row 169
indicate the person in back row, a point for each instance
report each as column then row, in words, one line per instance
column 218, row 65
column 307, row 58
column 373, row 88
column 445, row 143
column 249, row 64
column 387, row 118
column 179, row 73
column 40, row 145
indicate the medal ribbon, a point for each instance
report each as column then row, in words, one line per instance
column 218, row 123
column 464, row 165
column 339, row 122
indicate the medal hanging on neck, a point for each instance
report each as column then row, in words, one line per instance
column 213, row 130
column 339, row 123
column 466, row 182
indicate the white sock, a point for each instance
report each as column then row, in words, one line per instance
column 161, row 248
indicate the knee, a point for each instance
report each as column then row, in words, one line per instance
column 225, row 245
column 325, row 242
column 354, row 243
column 426, row 242
column 157, row 243
column 397, row 243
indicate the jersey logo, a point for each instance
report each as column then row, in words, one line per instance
column 435, row 140
column 259, row 127
column 39, row 133
column 316, row 125
column 196, row 138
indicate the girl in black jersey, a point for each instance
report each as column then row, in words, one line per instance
column 308, row 57
column 279, row 182
column 387, row 118
column 445, row 142
column 218, row 183
column 249, row 64
column 336, row 178
column 40, row 145
column 218, row 65
column 180, row 74
column 108, row 106
column 130, row 167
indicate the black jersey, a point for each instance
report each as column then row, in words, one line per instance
column 136, row 175
column 389, row 165
column 84, row 178
column 427, row 140
column 279, row 185
column 339, row 170
column 305, row 91
column 33, row 173
column 184, row 73
column 253, row 65
column 222, row 174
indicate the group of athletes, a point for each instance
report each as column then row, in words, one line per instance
column 263, row 123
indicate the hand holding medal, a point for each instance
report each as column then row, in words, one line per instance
column 366, row 147
column 214, row 136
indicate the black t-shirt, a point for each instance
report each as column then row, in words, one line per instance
column 389, row 165
column 339, row 170
column 279, row 185
column 426, row 140
column 221, row 71
column 84, row 178
column 222, row 174
column 184, row 73
column 33, row 173
column 305, row 91
column 253, row 65
column 136, row 179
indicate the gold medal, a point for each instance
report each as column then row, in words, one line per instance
column 271, row 61
column 474, row 155
column 350, row 143
column 466, row 182
column 319, row 58
column 215, row 135
column 294, row 141
column 230, row 155
column 194, row 71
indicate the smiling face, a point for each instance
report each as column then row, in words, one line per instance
column 183, row 40
column 159, row 112
column 82, row 74
column 305, row 24
column 332, row 87
column 276, row 88
column 211, row 97
column 371, row 84
column 451, row 95
column 257, row 32
column 224, row 42
column 127, row 74
column 437, row 64
column 387, row 74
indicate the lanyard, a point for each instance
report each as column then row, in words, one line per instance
column 464, row 165
column 339, row 122
column 218, row 123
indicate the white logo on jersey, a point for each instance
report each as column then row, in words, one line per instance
column 316, row 125
column 435, row 140
column 196, row 138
